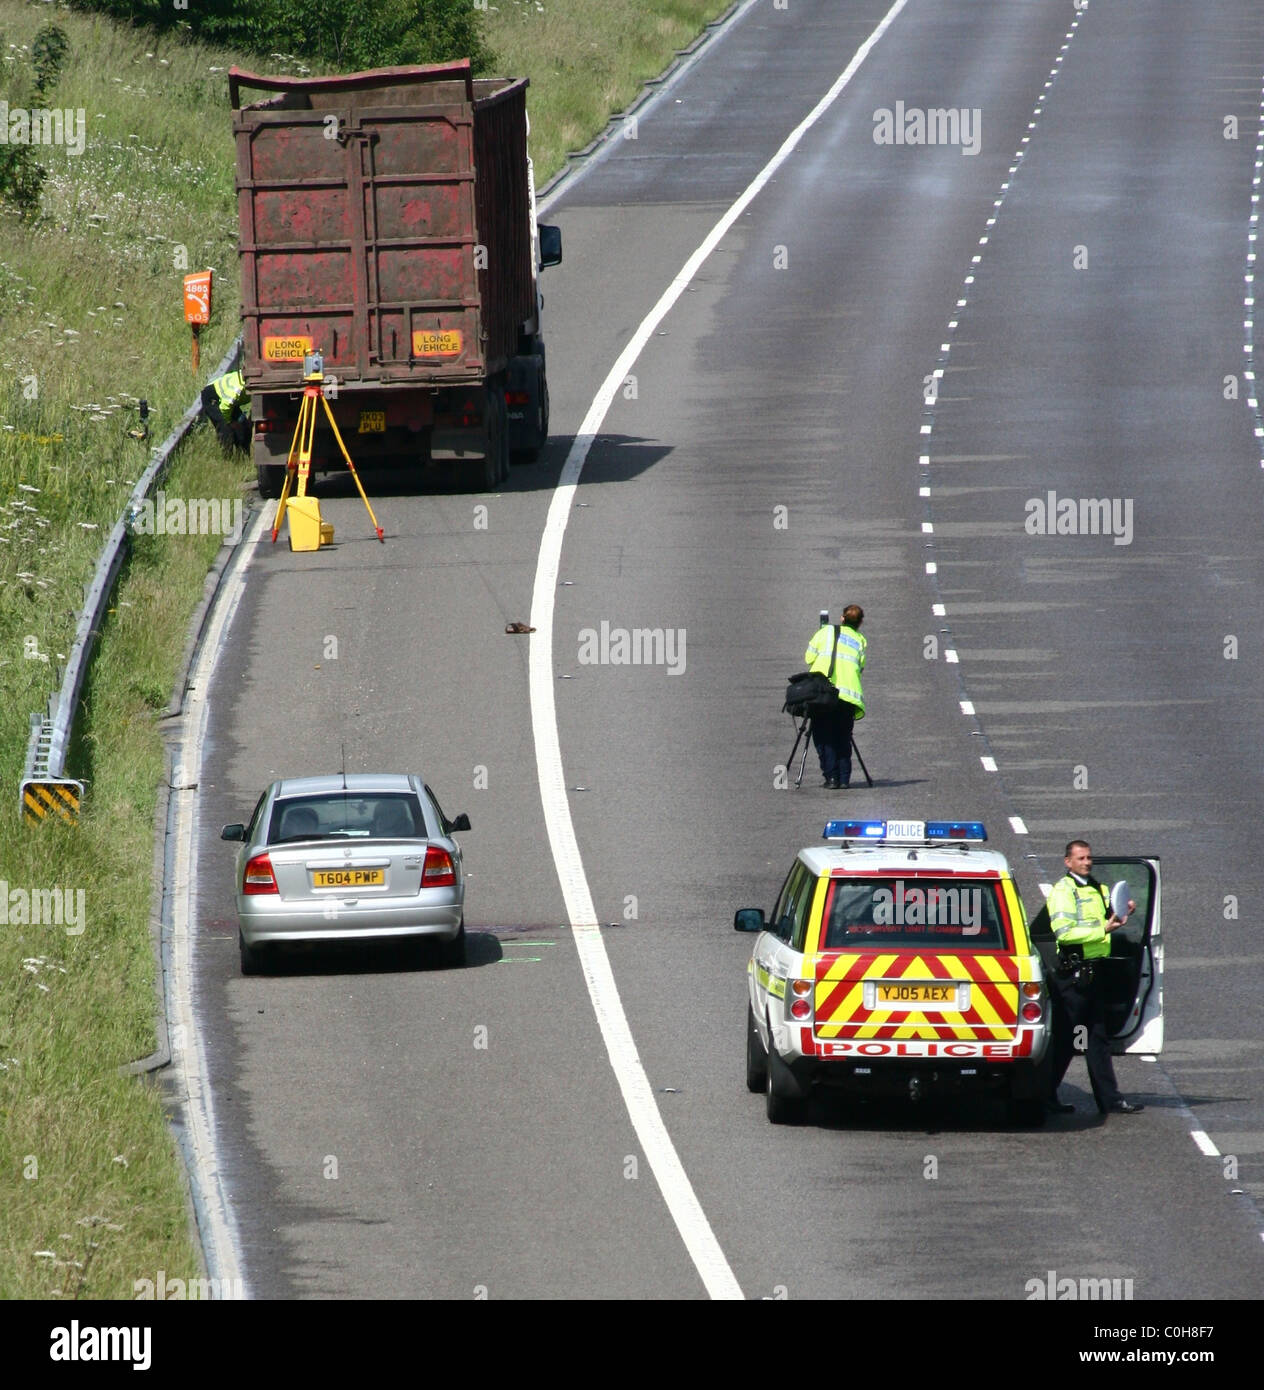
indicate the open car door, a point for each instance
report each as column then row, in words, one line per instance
column 1134, row 970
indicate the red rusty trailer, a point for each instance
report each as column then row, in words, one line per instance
column 387, row 221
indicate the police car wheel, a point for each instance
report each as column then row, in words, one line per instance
column 756, row 1057
column 784, row 1102
column 1027, row 1113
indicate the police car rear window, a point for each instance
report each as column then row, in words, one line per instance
column 908, row 911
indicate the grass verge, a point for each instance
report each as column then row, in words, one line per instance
column 91, row 1188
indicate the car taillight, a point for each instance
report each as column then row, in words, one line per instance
column 259, row 877
column 1031, row 989
column 1032, row 1013
column 800, row 998
column 438, row 870
column 517, row 397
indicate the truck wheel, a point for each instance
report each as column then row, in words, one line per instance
column 783, row 1100
column 756, row 1057
column 530, row 455
column 502, row 453
column 271, row 478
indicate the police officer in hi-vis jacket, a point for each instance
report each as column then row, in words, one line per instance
column 1081, row 919
column 839, row 654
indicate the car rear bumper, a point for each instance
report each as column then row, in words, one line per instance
column 378, row 921
column 1020, row 1079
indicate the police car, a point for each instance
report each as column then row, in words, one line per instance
column 898, row 961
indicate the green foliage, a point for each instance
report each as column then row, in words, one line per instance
column 346, row 34
column 21, row 178
column 48, row 53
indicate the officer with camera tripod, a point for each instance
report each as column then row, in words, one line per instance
column 838, row 653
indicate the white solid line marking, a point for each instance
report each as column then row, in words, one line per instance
column 1017, row 823
column 638, row 1096
column 967, row 706
column 1204, row 1143
column 221, row 1237
column 989, row 764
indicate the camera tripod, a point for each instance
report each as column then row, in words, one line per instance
column 803, row 734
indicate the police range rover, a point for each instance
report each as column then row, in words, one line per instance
column 898, row 961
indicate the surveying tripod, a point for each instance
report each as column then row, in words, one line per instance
column 803, row 733
column 299, row 461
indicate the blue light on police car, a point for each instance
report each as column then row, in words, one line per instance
column 955, row 830
column 856, row 830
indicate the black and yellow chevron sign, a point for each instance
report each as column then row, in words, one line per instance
column 51, row 797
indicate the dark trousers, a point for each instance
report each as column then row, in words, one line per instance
column 831, row 733
column 1080, row 1006
column 233, row 434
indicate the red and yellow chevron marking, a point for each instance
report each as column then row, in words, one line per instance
column 993, row 1011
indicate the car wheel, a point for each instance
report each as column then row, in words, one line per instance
column 451, row 954
column 1027, row 1113
column 756, row 1057
column 785, row 1102
column 255, row 960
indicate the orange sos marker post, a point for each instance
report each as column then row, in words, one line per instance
column 197, row 306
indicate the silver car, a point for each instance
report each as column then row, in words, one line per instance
column 349, row 858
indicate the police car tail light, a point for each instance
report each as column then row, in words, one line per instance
column 800, row 995
column 437, row 872
column 259, row 877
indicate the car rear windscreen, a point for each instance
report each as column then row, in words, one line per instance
column 863, row 913
column 347, row 816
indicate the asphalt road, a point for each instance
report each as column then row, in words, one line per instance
column 763, row 462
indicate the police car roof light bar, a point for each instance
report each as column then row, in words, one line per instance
column 906, row 832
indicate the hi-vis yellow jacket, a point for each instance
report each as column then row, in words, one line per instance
column 230, row 391
column 845, row 676
column 1077, row 915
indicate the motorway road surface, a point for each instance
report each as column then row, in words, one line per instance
column 1089, row 358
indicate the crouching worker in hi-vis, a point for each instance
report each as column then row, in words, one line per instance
column 838, row 653
column 226, row 404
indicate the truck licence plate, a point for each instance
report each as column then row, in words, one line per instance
column 348, row 878
column 373, row 422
